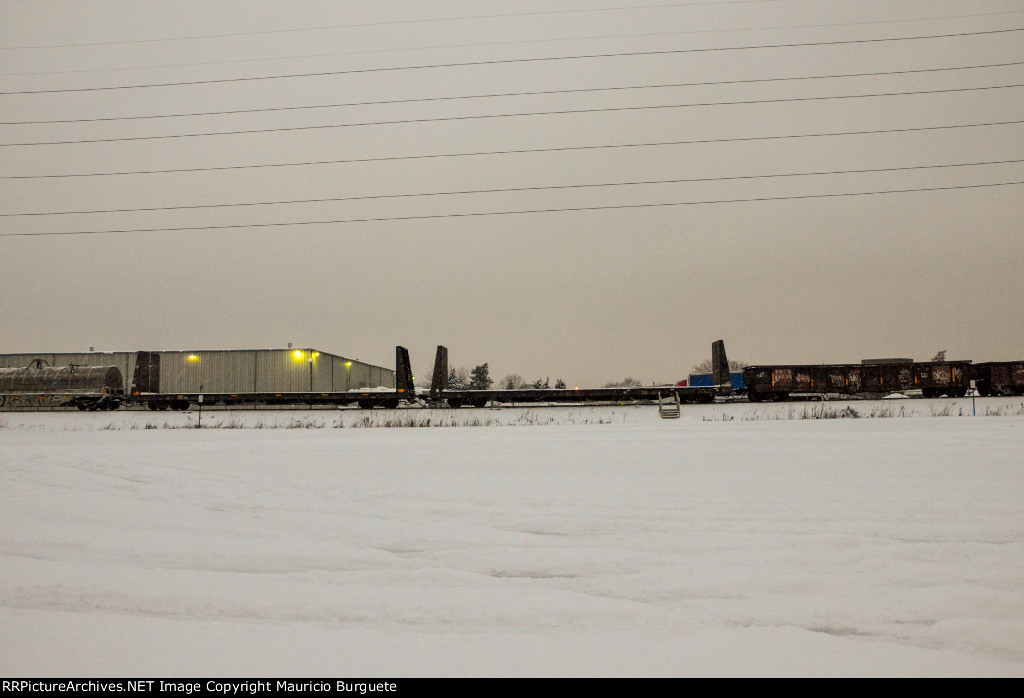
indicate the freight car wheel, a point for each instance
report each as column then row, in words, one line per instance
column 479, row 402
column 454, row 403
column 365, row 404
column 81, row 405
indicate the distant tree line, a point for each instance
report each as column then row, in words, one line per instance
column 514, row 381
column 627, row 382
column 479, row 378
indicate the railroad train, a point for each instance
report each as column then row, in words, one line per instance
column 932, row 378
column 103, row 387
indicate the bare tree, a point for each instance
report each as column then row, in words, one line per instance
column 513, row 381
column 624, row 383
column 705, row 366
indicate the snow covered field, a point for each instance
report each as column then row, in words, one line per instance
column 738, row 540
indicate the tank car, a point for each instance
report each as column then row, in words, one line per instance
column 84, row 387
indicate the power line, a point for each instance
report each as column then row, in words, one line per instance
column 481, row 44
column 505, row 61
column 513, row 213
column 476, row 117
column 522, row 151
column 527, row 94
column 518, row 189
column 363, row 25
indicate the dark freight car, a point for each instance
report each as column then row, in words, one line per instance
column 937, row 378
column 782, row 382
column 999, row 377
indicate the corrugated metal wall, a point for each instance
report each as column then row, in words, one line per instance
column 360, row 375
column 267, row 371
column 207, row 371
column 282, row 372
column 344, row 379
column 356, row 375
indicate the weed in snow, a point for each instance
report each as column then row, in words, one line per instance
column 817, row 411
column 403, row 419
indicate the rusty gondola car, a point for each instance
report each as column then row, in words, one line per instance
column 999, row 377
column 84, row 387
column 933, row 379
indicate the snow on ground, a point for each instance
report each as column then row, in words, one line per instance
column 738, row 540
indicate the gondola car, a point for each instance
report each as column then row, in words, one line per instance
column 999, row 377
column 933, row 379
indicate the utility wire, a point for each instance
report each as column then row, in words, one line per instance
column 559, row 40
column 505, row 61
column 521, row 151
column 527, row 94
column 388, row 23
column 512, row 213
column 517, row 189
column 475, row 117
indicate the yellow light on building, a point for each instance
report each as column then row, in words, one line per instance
column 297, row 355
column 193, row 357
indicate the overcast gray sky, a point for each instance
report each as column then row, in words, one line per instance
column 620, row 269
